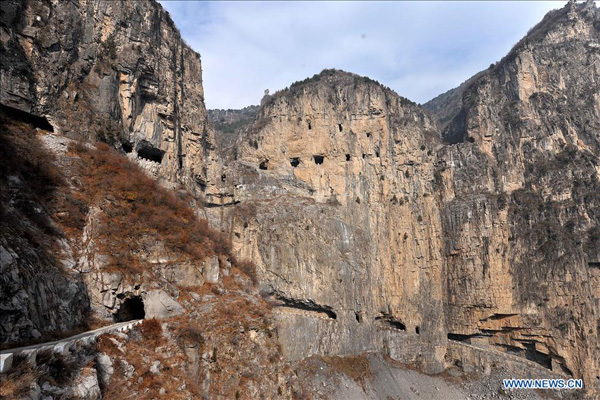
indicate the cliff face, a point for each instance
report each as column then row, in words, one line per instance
column 39, row 294
column 116, row 71
column 519, row 199
column 374, row 226
column 353, row 212
column 331, row 193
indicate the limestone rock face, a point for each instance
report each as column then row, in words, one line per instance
column 115, row 71
column 375, row 225
column 331, row 193
column 353, row 212
column 520, row 199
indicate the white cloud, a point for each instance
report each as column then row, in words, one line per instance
column 419, row 49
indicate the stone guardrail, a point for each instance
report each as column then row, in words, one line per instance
column 63, row 345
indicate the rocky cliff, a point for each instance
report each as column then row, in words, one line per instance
column 464, row 235
column 331, row 192
column 353, row 211
column 519, row 198
column 116, row 71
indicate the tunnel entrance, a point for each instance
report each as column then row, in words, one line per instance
column 127, row 146
column 24, row 116
column 146, row 151
column 131, row 308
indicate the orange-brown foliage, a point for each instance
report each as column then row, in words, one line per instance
column 136, row 207
column 151, row 329
column 248, row 268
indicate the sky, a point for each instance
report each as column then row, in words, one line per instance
column 419, row 49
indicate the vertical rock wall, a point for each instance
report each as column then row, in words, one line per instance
column 331, row 193
column 520, row 199
column 118, row 71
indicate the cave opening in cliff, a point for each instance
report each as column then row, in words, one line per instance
column 23, row 116
column 340, row 127
column 368, row 134
column 545, row 360
column 417, row 330
column 263, row 165
column 594, row 265
column 130, row 309
column 309, row 126
column 308, row 306
column 127, row 146
column 358, row 317
column 459, row 337
column 319, row 159
column 294, row 162
column 391, row 322
column 146, row 151
column 347, row 157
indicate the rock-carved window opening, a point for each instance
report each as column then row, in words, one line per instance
column 264, row 165
column 127, row 146
column 340, row 127
column 368, row 134
column 417, row 330
column 347, row 157
column 294, row 162
column 309, row 125
column 389, row 321
column 319, row 159
column 223, row 177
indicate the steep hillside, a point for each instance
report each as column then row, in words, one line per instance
column 447, row 105
column 40, row 295
column 90, row 239
column 321, row 240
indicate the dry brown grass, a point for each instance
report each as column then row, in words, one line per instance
column 135, row 208
column 151, row 330
column 248, row 268
column 356, row 367
column 16, row 383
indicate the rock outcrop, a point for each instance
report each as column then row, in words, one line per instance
column 113, row 71
column 40, row 294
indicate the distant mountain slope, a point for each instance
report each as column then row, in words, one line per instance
column 445, row 106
